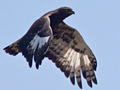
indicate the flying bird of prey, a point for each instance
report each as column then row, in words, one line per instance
column 50, row 37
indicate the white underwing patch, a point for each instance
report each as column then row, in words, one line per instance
column 76, row 60
column 86, row 60
column 37, row 41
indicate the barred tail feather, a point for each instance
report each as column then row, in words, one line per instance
column 13, row 49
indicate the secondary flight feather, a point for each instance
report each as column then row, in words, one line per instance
column 50, row 37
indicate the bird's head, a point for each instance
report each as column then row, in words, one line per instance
column 60, row 14
column 66, row 11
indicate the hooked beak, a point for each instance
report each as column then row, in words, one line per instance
column 73, row 12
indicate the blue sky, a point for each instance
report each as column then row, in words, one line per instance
column 98, row 21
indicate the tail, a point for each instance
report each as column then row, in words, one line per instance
column 13, row 49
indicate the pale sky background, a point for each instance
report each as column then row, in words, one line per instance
column 98, row 21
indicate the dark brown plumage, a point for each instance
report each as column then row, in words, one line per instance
column 50, row 37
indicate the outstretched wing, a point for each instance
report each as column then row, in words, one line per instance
column 36, row 41
column 71, row 54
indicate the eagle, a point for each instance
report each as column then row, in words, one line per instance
column 51, row 37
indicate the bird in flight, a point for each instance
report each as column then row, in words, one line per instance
column 51, row 37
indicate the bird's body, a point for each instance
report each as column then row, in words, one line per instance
column 50, row 37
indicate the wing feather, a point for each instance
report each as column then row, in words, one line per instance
column 77, row 68
column 71, row 54
column 72, row 71
column 35, row 42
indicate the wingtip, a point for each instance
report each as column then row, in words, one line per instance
column 84, row 74
column 95, row 81
column 79, row 84
column 89, row 83
column 37, row 66
column 72, row 79
column 30, row 65
column 67, row 73
column 95, row 67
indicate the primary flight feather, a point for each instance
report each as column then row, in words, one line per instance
column 50, row 37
